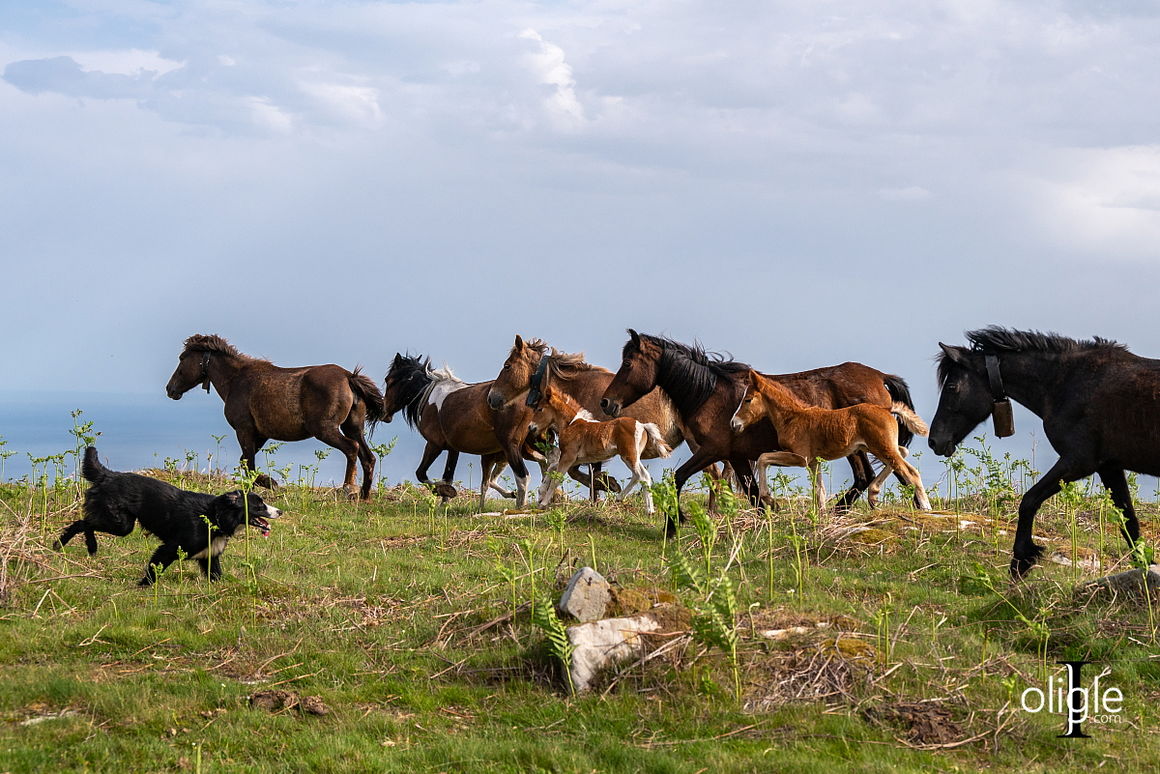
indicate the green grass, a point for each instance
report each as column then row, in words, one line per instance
column 398, row 616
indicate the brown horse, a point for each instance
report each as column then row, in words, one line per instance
column 453, row 416
column 808, row 434
column 533, row 361
column 263, row 401
column 583, row 439
column 707, row 388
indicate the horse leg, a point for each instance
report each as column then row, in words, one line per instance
column 354, row 432
column 251, row 442
column 698, row 462
column 743, row 467
column 815, row 469
column 332, row 437
column 879, row 481
column 1026, row 551
column 1116, row 483
column 862, row 472
column 557, row 461
column 449, row 468
column 498, row 462
column 430, row 452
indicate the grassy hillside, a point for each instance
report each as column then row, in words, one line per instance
column 900, row 644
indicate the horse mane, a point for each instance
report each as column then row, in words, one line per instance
column 417, row 378
column 995, row 339
column 688, row 373
column 565, row 365
column 200, row 342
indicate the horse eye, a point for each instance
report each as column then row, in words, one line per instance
column 506, row 366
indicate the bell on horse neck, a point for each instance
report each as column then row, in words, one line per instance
column 1004, row 419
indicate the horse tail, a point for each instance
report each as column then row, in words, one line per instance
column 909, row 419
column 366, row 390
column 654, row 434
column 91, row 467
column 900, row 394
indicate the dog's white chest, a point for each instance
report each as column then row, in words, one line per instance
column 216, row 546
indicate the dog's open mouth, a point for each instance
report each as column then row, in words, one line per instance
column 261, row 524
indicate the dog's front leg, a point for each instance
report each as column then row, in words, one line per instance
column 165, row 555
column 212, row 567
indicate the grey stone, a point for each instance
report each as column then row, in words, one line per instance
column 1131, row 583
column 598, row 645
column 587, row 595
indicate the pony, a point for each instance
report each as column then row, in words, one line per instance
column 706, row 388
column 453, row 416
column 264, row 401
column 1097, row 400
column 583, row 439
column 809, row 434
column 531, row 364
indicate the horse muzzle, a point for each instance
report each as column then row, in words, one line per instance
column 174, row 394
column 494, row 401
column 610, row 407
column 943, row 447
column 737, row 425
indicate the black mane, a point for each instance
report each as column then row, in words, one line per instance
column 413, row 373
column 688, row 373
column 996, row 340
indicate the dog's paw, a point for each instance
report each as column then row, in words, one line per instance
column 57, row 545
column 145, row 583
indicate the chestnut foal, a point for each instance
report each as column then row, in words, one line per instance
column 585, row 440
column 808, row 434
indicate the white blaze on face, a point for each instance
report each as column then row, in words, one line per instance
column 735, row 421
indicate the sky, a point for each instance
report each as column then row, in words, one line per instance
column 796, row 184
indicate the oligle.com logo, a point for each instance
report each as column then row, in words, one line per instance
column 1095, row 703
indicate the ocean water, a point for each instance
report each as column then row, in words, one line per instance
column 145, row 430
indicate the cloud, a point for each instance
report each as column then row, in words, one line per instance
column 549, row 65
column 64, row 75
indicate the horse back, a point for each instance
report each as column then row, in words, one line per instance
column 838, row 386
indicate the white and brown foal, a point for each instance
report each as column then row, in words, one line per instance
column 585, row 440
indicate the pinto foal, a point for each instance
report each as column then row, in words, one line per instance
column 585, row 440
column 808, row 434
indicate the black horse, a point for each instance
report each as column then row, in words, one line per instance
column 1099, row 403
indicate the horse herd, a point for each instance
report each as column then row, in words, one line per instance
column 1099, row 404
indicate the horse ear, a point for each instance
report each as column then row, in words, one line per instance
column 519, row 341
column 633, row 336
column 956, row 354
column 398, row 358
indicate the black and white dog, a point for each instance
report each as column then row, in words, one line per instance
column 200, row 525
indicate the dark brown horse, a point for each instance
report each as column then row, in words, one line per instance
column 453, row 416
column 706, row 389
column 264, row 401
column 1099, row 403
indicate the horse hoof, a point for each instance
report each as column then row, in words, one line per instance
column 446, row 491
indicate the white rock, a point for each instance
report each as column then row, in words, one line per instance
column 598, row 645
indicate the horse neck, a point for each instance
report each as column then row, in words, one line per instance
column 780, row 403
column 684, row 397
column 224, row 370
column 1029, row 377
column 564, row 407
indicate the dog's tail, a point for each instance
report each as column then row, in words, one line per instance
column 91, row 468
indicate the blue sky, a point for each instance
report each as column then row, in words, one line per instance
column 797, row 184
